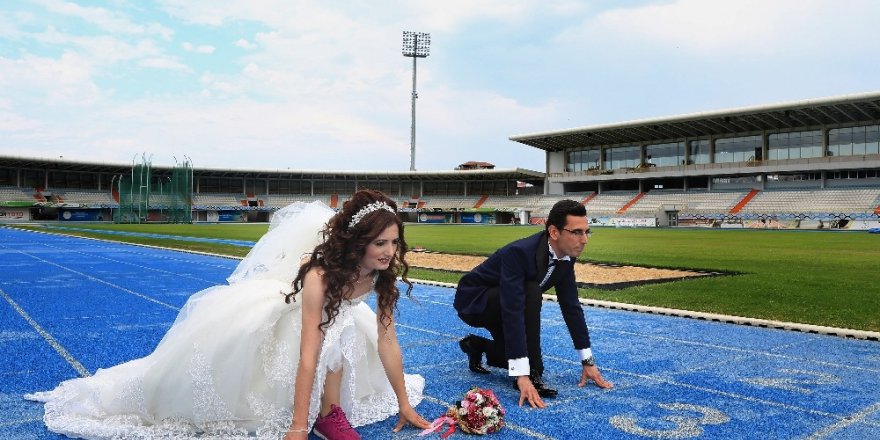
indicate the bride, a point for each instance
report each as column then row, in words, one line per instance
column 278, row 352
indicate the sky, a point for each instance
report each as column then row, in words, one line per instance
column 323, row 85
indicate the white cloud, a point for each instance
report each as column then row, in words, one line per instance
column 461, row 125
column 323, row 84
column 245, row 44
column 63, row 81
column 221, row 87
column 205, row 48
column 321, row 87
column 306, row 15
column 101, row 50
column 111, row 21
column 11, row 122
column 725, row 27
column 9, row 27
column 164, row 63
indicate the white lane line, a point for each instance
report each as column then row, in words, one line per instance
column 716, row 346
column 127, row 263
column 690, row 386
column 737, row 349
column 87, row 276
column 123, row 243
column 708, row 390
column 516, row 428
column 447, row 335
column 845, row 422
column 434, row 302
column 83, row 372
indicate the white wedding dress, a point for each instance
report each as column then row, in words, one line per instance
column 226, row 367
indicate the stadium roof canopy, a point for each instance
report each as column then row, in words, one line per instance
column 62, row 164
column 839, row 110
column 514, row 173
column 116, row 168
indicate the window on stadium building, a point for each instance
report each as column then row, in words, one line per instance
column 209, row 185
column 255, row 186
column 235, row 186
column 854, row 174
column 62, row 179
column 582, row 160
column 735, row 179
column 221, row 185
column 7, row 177
column 622, row 157
column 390, row 188
column 737, row 149
column 434, row 189
column 32, row 179
column 664, row 155
column 797, row 145
column 410, row 189
column 699, row 151
column 289, row 186
column 795, row 177
column 492, row 187
column 443, row 188
column 344, row 187
column 854, row 141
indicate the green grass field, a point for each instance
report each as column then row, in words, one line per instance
column 823, row 278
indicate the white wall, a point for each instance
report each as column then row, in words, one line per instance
column 555, row 164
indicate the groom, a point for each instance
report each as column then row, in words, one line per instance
column 504, row 295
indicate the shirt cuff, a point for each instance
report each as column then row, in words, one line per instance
column 585, row 353
column 518, row 367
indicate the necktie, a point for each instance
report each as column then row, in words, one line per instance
column 550, row 268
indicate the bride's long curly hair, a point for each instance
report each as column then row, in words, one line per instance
column 340, row 253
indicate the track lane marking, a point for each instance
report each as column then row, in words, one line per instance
column 708, row 345
column 844, row 422
column 127, row 263
column 83, row 371
column 89, row 277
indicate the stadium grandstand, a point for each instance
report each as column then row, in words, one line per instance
column 811, row 164
column 804, row 164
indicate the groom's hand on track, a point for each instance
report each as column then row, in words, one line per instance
column 591, row 372
column 527, row 392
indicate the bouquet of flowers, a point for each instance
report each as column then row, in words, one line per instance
column 479, row 412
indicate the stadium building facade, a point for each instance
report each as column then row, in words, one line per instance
column 65, row 190
column 815, row 150
column 804, row 164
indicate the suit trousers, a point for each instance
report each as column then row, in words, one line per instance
column 491, row 319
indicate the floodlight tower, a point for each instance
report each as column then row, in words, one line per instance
column 415, row 45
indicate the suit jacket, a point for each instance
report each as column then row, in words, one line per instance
column 510, row 268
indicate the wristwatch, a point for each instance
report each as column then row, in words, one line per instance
column 589, row 362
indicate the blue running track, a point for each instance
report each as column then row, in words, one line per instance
column 69, row 306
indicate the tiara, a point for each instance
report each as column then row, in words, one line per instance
column 375, row 206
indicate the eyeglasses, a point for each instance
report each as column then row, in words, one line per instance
column 579, row 233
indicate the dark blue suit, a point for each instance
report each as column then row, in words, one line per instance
column 501, row 294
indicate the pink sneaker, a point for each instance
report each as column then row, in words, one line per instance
column 335, row 426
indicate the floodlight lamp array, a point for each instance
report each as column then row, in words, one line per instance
column 416, row 44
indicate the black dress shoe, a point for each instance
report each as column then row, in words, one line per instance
column 542, row 388
column 475, row 355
